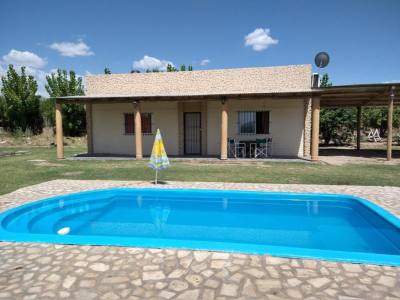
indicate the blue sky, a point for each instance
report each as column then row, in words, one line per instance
column 361, row 36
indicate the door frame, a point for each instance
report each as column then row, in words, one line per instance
column 184, row 134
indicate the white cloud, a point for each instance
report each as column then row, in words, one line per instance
column 204, row 62
column 259, row 39
column 24, row 58
column 72, row 49
column 150, row 63
column 2, row 70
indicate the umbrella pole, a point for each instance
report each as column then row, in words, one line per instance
column 156, row 177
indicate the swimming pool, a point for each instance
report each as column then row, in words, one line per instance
column 335, row 227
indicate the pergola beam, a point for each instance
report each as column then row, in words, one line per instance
column 358, row 128
column 59, row 132
column 390, row 125
column 315, row 128
column 355, row 103
column 185, row 98
column 224, row 130
column 138, row 131
column 89, row 128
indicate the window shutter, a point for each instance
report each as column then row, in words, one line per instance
column 146, row 123
column 129, row 124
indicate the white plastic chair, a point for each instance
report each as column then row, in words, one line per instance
column 236, row 149
column 374, row 136
column 261, row 149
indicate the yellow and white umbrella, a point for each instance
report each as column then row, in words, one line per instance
column 159, row 159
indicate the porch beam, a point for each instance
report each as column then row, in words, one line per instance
column 138, row 130
column 59, row 132
column 390, row 125
column 224, row 130
column 358, row 128
column 315, row 128
column 89, row 128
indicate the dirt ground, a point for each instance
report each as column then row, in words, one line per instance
column 370, row 153
column 46, row 138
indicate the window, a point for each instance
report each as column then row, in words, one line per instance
column 253, row 122
column 130, row 123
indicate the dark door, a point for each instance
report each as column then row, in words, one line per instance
column 192, row 131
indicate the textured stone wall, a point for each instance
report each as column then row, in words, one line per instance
column 307, row 127
column 294, row 78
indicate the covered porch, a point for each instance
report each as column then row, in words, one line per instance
column 217, row 118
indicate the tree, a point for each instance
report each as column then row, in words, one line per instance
column 2, row 111
column 107, row 71
column 62, row 84
column 337, row 124
column 20, row 104
column 376, row 117
column 171, row 68
column 47, row 109
column 324, row 82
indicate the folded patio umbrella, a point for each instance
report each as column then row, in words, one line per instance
column 159, row 159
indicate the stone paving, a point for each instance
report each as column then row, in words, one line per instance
column 42, row 271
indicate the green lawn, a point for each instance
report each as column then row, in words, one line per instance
column 19, row 171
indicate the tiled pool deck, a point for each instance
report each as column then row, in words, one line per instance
column 41, row 271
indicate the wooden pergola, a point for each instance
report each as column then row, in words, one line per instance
column 360, row 95
column 335, row 96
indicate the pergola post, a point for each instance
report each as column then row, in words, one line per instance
column 358, row 128
column 138, row 130
column 59, row 132
column 89, row 128
column 315, row 128
column 390, row 125
column 224, row 130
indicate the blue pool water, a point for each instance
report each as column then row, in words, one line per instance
column 326, row 226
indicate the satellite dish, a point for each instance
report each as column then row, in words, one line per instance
column 322, row 59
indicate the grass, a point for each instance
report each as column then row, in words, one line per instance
column 23, row 170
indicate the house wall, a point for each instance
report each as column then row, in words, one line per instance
column 287, row 123
column 108, row 128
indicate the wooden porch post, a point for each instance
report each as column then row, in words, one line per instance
column 315, row 128
column 138, row 131
column 89, row 128
column 390, row 125
column 358, row 128
column 224, row 129
column 59, row 132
